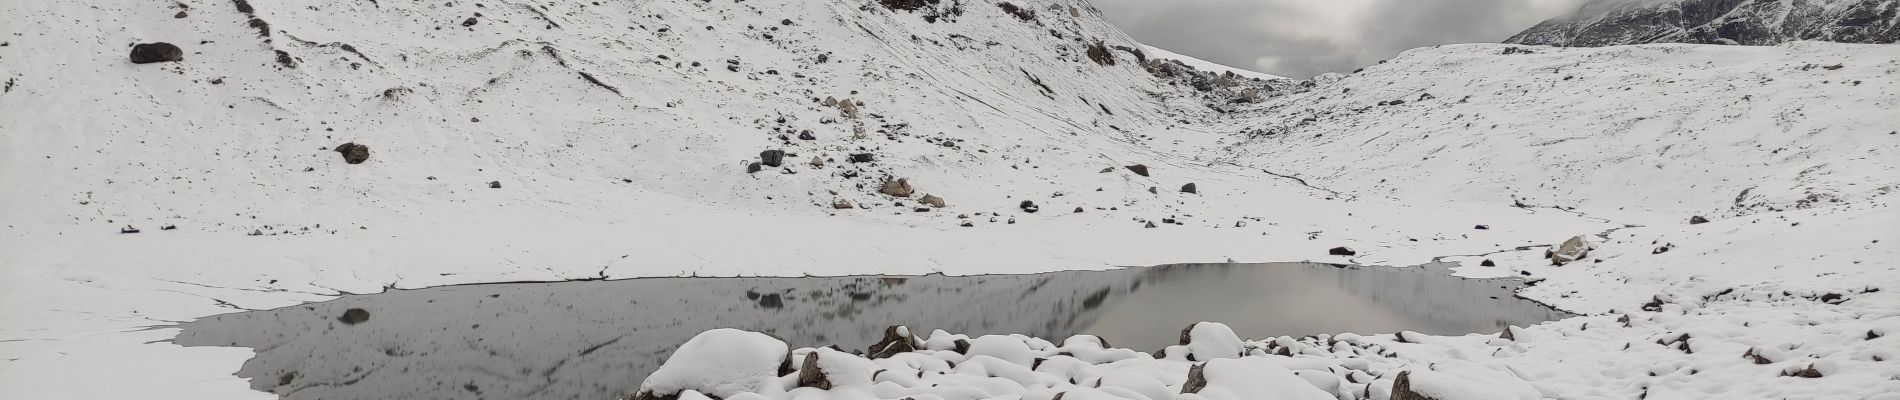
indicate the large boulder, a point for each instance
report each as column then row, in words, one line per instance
column 1211, row 340
column 1574, row 249
column 899, row 187
column 772, row 158
column 719, row 362
column 147, row 53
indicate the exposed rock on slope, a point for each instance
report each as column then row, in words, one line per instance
column 1745, row 22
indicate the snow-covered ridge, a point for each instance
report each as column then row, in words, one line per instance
column 1204, row 65
column 1752, row 22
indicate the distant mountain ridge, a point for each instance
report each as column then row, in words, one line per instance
column 1742, row 22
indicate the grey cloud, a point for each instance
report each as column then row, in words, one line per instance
column 1301, row 38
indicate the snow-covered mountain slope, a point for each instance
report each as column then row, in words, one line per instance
column 621, row 134
column 1204, row 65
column 1746, row 22
column 1791, row 151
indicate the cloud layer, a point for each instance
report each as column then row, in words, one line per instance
column 1301, row 38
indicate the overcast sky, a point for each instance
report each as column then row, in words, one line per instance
column 1302, row 38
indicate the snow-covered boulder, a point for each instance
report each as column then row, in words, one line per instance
column 1211, row 340
column 719, row 362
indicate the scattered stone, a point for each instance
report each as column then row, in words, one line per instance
column 1189, row 188
column 1571, row 250
column 1029, row 206
column 128, row 229
column 469, row 22
column 1154, row 190
column 1138, row 169
column 817, row 162
column 842, row 204
column 899, row 187
column 862, row 158
column 1698, row 220
column 354, row 316
column 831, row 101
column 807, row 135
column 494, row 184
column 1078, row 210
column 1342, row 251
column 1481, row 227
column 353, row 153
column 147, row 53
column 1151, row 224
column 966, row 223
column 754, row 167
column 1808, row 372
column 168, row 227
column 772, row 158
column 1487, row 263
column 932, row 201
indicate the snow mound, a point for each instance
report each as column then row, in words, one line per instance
column 719, row 362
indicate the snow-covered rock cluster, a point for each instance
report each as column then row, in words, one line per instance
column 1744, row 22
column 1756, row 342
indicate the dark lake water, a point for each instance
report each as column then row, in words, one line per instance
column 597, row 340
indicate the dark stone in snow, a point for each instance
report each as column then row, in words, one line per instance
column 807, row 135
column 1028, row 206
column 469, row 22
column 1488, row 263
column 893, row 343
column 1189, row 188
column 146, row 53
column 1697, row 220
column 1138, row 169
column 353, row 153
column 753, row 167
column 1195, row 380
column 1402, row 388
column 862, row 158
column 1481, row 227
column 772, row 158
column 810, row 376
column 1078, row 209
column 1341, row 251
column 128, row 229
column 354, row 316
column 494, row 184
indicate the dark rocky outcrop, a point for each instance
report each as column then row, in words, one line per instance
column 353, row 153
column 897, row 339
column 1138, row 169
column 147, row 53
column 1195, row 380
column 1402, row 388
column 809, row 375
column 772, row 158
column 1743, row 22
